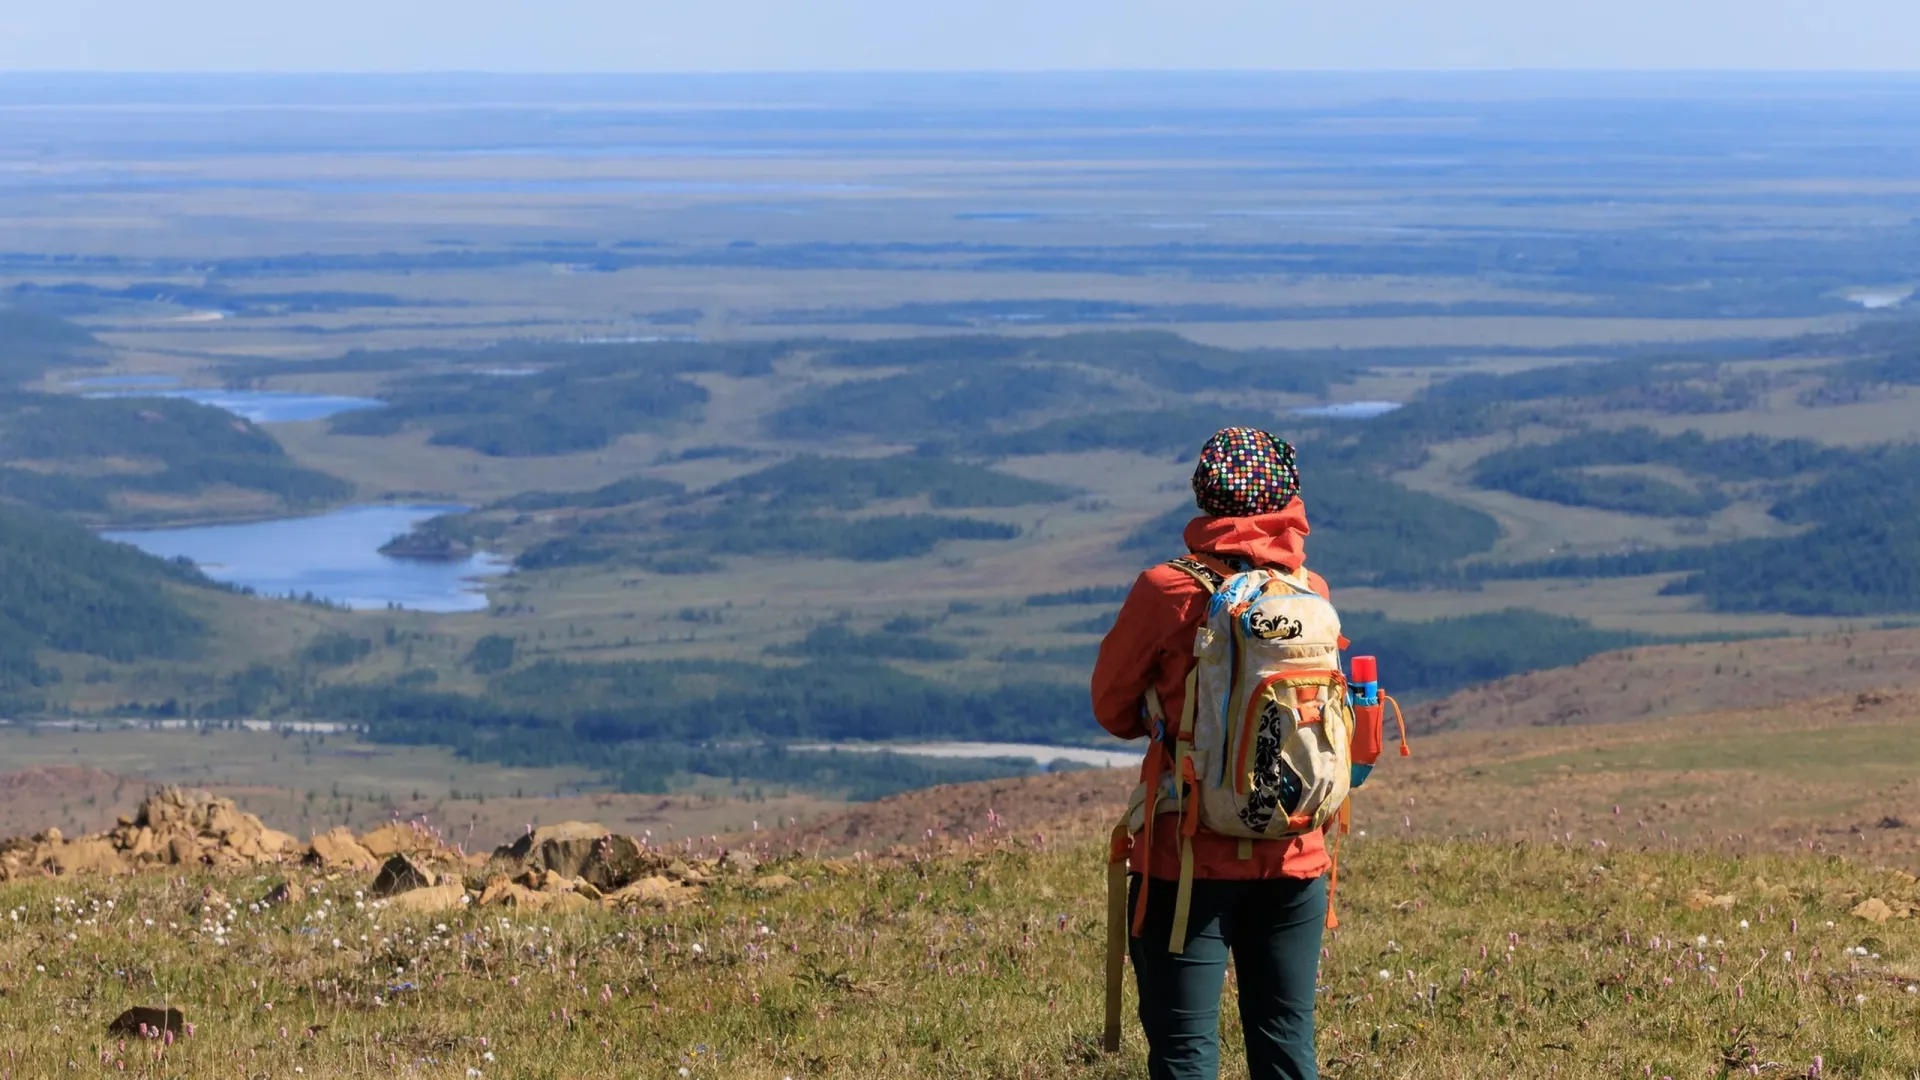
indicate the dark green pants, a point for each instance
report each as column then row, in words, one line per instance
column 1272, row 929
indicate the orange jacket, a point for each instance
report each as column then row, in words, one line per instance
column 1151, row 644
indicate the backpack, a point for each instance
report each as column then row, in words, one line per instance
column 1270, row 742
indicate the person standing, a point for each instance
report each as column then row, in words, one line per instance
column 1261, row 902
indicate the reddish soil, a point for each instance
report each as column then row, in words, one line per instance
column 71, row 798
column 1054, row 805
column 1680, row 680
column 1839, row 774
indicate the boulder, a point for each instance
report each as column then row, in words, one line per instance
column 656, row 891
column 1701, row 899
column 336, row 849
column 395, row 838
column 582, row 850
column 615, row 861
column 267, row 844
column 181, row 851
column 565, row 847
column 431, row 898
column 402, row 874
column 505, row 893
column 144, row 845
column 89, row 856
column 148, row 1021
column 548, row 881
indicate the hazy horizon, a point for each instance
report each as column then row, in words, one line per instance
column 829, row 36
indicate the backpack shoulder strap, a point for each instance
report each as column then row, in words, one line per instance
column 1209, row 571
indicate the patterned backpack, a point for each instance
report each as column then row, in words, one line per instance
column 1269, row 742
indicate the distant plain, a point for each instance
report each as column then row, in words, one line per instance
column 1328, row 220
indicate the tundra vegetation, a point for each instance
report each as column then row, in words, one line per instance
column 1453, row 959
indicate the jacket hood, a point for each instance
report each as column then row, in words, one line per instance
column 1276, row 539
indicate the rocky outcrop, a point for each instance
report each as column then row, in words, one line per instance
column 174, row 827
column 553, row 869
column 178, row 827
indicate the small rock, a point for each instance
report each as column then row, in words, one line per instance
column 156, row 1021
column 1873, row 909
column 1700, row 900
column 775, row 882
column 544, row 881
column 504, row 893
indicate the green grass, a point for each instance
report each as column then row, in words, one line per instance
column 1499, row 961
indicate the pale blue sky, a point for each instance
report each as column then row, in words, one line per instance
column 917, row 35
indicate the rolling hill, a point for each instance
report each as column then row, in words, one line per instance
column 67, row 590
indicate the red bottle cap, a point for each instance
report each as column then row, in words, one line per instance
column 1366, row 669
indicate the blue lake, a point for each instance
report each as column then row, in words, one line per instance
column 259, row 406
column 333, row 556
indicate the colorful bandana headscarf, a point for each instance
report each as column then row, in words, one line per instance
column 1244, row 472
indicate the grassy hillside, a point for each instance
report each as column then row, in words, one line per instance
column 32, row 342
column 65, row 589
column 1454, row 959
column 134, row 459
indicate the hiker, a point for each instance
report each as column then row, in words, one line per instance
column 1262, row 901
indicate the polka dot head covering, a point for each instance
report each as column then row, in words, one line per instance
column 1244, row 472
